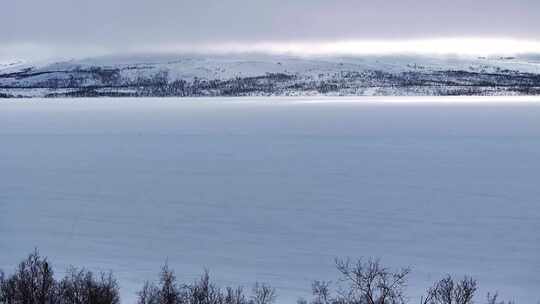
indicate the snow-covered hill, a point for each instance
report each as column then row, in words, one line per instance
column 236, row 75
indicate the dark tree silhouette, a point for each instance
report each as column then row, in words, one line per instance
column 263, row 294
column 321, row 292
column 371, row 283
column 81, row 287
column 361, row 283
column 450, row 291
column 32, row 283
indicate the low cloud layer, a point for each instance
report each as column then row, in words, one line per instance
column 64, row 27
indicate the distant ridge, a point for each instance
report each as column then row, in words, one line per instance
column 267, row 75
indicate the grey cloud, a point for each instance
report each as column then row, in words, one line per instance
column 117, row 24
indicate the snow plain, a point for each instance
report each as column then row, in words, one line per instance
column 273, row 189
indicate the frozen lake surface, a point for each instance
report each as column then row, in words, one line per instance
column 272, row 189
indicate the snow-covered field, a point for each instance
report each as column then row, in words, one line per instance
column 272, row 189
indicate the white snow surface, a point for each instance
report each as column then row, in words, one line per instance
column 273, row 189
column 230, row 66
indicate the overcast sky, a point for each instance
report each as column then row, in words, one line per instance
column 30, row 26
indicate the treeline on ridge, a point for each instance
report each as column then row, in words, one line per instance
column 98, row 81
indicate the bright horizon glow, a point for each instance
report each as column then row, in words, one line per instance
column 439, row 46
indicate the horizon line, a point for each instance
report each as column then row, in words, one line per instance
column 449, row 46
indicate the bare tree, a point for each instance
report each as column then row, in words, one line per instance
column 4, row 288
column 450, row 291
column 74, row 287
column 263, row 294
column 235, row 296
column 204, row 291
column 169, row 292
column 32, row 283
column 321, row 292
column 149, row 294
column 371, row 283
column 81, row 287
column 106, row 290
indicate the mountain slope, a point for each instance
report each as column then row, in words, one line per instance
column 239, row 75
